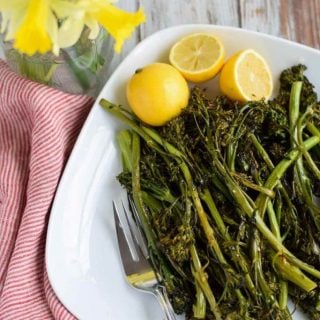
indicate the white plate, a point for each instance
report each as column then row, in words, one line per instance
column 81, row 254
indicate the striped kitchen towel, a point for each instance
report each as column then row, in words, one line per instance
column 38, row 127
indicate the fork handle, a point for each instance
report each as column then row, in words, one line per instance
column 162, row 297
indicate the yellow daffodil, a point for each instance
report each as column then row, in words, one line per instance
column 32, row 35
column 48, row 25
column 12, row 13
column 92, row 13
column 120, row 24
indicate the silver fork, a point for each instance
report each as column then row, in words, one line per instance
column 133, row 251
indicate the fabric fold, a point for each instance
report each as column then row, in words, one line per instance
column 38, row 128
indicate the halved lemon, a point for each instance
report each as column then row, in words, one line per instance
column 199, row 56
column 246, row 76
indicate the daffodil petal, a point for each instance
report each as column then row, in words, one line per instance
column 119, row 23
column 11, row 21
column 70, row 32
column 93, row 25
column 12, row 4
column 5, row 21
column 64, row 9
column 52, row 28
column 32, row 36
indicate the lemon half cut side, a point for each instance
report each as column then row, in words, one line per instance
column 246, row 76
column 199, row 56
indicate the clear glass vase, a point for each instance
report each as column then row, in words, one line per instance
column 80, row 69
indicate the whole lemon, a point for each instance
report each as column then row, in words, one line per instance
column 157, row 93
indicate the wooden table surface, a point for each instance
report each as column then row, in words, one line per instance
column 297, row 20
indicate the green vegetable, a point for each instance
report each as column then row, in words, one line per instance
column 228, row 198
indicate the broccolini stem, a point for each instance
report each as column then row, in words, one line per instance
column 279, row 247
column 256, row 260
column 283, row 295
column 306, row 190
column 273, row 221
column 292, row 273
column 234, row 189
column 306, row 154
column 153, row 139
column 124, row 139
column 242, row 200
column 201, row 278
column 300, row 176
column 235, row 127
column 313, row 129
column 220, row 186
column 264, row 155
column 136, row 189
column 294, row 109
column 213, row 243
column 275, row 228
column 137, row 197
column 208, row 230
column 253, row 186
column 151, row 202
column 318, row 305
column 199, row 307
column 207, row 198
column 279, row 171
column 120, row 114
column 250, row 211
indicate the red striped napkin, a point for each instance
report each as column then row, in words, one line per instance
column 38, row 127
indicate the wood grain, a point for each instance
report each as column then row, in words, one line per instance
column 301, row 21
column 164, row 13
column 291, row 19
column 261, row 15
